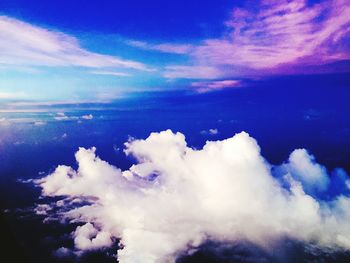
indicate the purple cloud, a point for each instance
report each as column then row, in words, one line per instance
column 208, row 86
column 281, row 36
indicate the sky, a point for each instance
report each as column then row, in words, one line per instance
column 101, row 51
column 220, row 130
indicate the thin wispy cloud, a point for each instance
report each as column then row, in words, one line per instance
column 208, row 86
column 210, row 132
column 192, row 72
column 53, row 103
column 24, row 44
column 278, row 36
column 110, row 73
column 61, row 116
column 163, row 47
column 274, row 37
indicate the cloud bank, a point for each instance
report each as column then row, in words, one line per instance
column 175, row 198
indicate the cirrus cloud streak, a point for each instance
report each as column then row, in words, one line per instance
column 276, row 37
column 23, row 44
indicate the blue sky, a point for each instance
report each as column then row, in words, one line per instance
column 105, row 50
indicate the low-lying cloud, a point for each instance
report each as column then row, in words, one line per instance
column 176, row 198
column 61, row 116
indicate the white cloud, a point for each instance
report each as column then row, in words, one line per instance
column 87, row 237
column 210, row 131
column 302, row 166
column 12, row 95
column 87, row 117
column 61, row 116
column 39, row 123
column 213, row 131
column 42, row 209
column 176, row 197
column 23, row 44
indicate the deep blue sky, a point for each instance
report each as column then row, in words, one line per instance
column 156, row 19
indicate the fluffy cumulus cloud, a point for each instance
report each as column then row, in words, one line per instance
column 276, row 36
column 87, row 237
column 303, row 167
column 175, row 198
column 23, row 44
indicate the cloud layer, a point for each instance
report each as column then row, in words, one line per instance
column 176, row 198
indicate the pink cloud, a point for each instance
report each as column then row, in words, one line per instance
column 280, row 35
column 203, row 86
